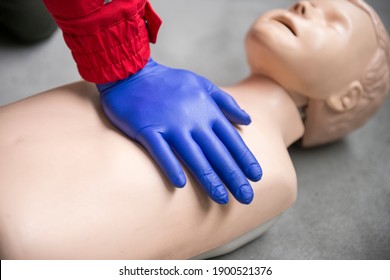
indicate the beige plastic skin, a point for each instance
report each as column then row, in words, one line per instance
column 72, row 187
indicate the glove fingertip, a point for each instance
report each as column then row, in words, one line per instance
column 241, row 118
column 246, row 119
column 220, row 195
column 179, row 180
column 245, row 194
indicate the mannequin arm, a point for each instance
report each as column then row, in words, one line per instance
column 73, row 187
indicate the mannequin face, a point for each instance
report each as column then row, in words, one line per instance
column 315, row 48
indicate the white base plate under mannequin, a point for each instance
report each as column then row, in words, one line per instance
column 238, row 242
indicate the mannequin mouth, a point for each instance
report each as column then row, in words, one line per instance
column 287, row 23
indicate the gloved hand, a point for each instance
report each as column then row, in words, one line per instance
column 172, row 111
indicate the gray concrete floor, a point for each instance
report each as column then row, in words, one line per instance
column 343, row 205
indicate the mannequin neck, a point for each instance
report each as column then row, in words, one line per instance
column 258, row 81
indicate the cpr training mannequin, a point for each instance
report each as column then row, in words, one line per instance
column 76, row 190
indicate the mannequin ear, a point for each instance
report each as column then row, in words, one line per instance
column 348, row 100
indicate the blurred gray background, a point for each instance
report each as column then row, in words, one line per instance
column 343, row 205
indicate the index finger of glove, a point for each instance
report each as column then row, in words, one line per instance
column 229, row 107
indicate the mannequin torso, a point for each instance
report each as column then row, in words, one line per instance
column 76, row 190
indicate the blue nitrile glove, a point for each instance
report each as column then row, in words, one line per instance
column 176, row 111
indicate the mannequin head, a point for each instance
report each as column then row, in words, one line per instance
column 334, row 53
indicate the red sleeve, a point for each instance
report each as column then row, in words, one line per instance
column 109, row 39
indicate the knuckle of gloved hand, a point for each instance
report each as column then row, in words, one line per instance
column 209, row 179
column 234, row 178
column 230, row 100
column 185, row 75
column 194, row 79
column 245, row 156
column 142, row 133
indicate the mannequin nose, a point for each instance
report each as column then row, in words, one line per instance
column 303, row 8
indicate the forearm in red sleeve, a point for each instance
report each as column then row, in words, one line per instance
column 109, row 40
